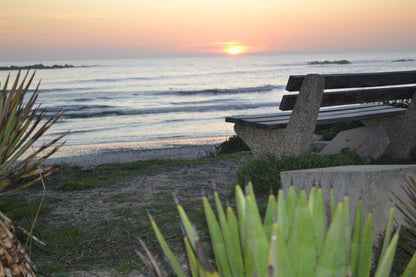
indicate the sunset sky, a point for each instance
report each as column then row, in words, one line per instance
column 80, row 29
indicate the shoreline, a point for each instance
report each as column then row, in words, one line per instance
column 92, row 155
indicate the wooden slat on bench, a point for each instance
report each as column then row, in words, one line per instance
column 346, row 97
column 323, row 113
column 358, row 112
column 355, row 80
column 326, row 119
column 349, row 108
column 246, row 119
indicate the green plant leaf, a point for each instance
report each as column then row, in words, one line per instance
column 356, row 238
column 217, row 239
column 410, row 270
column 301, row 240
column 282, row 215
column 235, row 238
column 291, row 203
column 386, row 263
column 347, row 230
column 270, row 215
column 241, row 212
column 311, row 201
column 332, row 201
column 187, row 225
column 285, row 268
column 333, row 260
column 21, row 125
column 319, row 220
column 387, row 233
column 167, row 251
column 366, row 246
column 256, row 241
column 192, row 260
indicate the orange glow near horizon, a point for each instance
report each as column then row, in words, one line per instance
column 129, row 28
column 235, row 50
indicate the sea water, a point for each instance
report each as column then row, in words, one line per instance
column 166, row 101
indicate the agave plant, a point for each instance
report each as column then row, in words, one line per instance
column 295, row 238
column 21, row 125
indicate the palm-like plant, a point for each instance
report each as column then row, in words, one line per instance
column 21, row 125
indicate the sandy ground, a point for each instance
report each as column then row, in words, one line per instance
column 134, row 195
column 122, row 155
column 127, row 152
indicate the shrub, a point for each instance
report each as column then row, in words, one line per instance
column 293, row 239
column 232, row 145
column 264, row 173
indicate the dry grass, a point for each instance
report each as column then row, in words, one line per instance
column 91, row 220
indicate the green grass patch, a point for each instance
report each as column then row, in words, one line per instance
column 20, row 208
column 264, row 173
column 127, row 265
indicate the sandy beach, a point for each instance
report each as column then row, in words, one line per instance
column 91, row 155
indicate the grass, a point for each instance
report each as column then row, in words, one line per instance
column 74, row 179
column 82, row 240
column 264, row 173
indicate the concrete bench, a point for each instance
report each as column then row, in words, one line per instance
column 331, row 98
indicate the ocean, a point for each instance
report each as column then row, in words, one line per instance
column 163, row 102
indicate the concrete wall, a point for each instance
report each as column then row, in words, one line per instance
column 372, row 183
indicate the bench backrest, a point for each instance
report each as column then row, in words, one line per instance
column 378, row 87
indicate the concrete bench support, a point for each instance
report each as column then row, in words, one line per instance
column 401, row 131
column 372, row 183
column 296, row 138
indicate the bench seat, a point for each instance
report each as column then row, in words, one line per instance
column 331, row 98
column 326, row 115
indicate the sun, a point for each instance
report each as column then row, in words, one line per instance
column 235, row 50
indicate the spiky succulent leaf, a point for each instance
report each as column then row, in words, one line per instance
column 270, row 215
column 333, row 259
column 387, row 233
column 386, row 263
column 256, row 245
column 217, row 239
column 319, row 220
column 301, row 240
column 167, row 250
column 356, row 238
column 410, row 270
column 366, row 246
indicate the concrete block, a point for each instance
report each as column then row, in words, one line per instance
column 317, row 146
column 374, row 184
column 401, row 131
column 368, row 142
